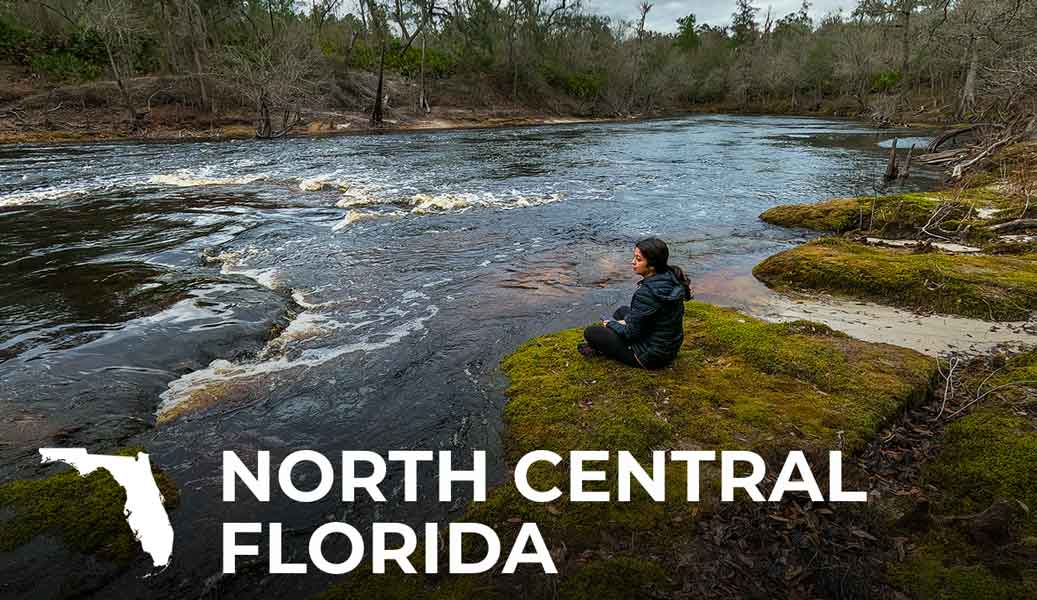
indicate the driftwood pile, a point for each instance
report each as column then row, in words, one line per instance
column 987, row 139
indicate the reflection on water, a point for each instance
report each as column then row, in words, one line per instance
column 351, row 292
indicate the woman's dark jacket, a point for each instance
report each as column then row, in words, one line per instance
column 654, row 327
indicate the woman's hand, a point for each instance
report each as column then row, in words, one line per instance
column 622, row 322
column 604, row 322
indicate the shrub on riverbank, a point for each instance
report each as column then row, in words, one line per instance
column 986, row 287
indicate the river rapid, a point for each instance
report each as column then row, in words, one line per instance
column 349, row 293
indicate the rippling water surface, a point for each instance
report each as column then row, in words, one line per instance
column 350, row 292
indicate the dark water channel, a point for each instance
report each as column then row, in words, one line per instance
column 345, row 293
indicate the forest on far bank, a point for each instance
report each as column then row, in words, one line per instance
column 280, row 63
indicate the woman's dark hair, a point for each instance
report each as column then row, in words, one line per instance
column 657, row 253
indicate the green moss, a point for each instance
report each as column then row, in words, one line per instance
column 989, row 454
column 985, row 287
column 902, row 215
column 985, row 456
column 776, row 375
column 1019, row 369
column 614, row 579
column 739, row 383
column 85, row 512
column 835, row 216
column 1001, row 246
column 930, row 577
column 890, row 215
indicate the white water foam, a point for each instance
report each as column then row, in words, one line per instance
column 18, row 199
column 419, row 204
column 304, row 326
column 459, row 202
column 300, row 299
column 187, row 179
column 359, row 194
column 233, row 264
column 354, row 216
column 328, row 181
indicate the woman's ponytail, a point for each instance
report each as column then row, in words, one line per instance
column 683, row 279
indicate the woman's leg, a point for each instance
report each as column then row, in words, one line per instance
column 606, row 342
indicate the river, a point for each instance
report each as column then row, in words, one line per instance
column 349, row 292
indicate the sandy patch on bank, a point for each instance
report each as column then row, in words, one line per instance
column 929, row 334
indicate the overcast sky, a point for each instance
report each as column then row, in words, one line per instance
column 664, row 13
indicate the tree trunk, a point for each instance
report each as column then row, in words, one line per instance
column 907, row 165
column 891, row 166
column 126, row 100
column 363, row 20
column 634, row 85
column 201, row 78
column 168, row 58
column 202, row 92
column 264, row 128
column 376, row 114
column 905, row 58
column 423, row 104
column 512, row 59
column 968, row 93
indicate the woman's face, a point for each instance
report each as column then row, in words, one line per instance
column 640, row 265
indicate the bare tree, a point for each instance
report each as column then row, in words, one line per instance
column 273, row 74
column 418, row 15
column 897, row 14
column 642, row 10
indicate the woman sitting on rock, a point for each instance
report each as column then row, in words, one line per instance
column 650, row 331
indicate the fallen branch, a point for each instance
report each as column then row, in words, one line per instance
column 12, row 112
column 937, row 158
column 948, row 136
column 992, row 527
column 1013, row 225
column 949, row 378
column 961, row 167
column 991, row 391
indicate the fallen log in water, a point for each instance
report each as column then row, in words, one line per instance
column 937, row 158
column 891, row 167
column 907, row 164
column 948, row 136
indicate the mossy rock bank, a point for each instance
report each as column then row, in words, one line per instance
column 840, row 215
column 738, row 384
column 901, row 214
column 86, row 513
column 1002, row 287
column 986, row 466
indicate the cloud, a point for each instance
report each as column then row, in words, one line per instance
column 664, row 13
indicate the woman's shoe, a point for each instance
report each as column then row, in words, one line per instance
column 585, row 349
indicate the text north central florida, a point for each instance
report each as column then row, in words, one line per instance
column 398, row 542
